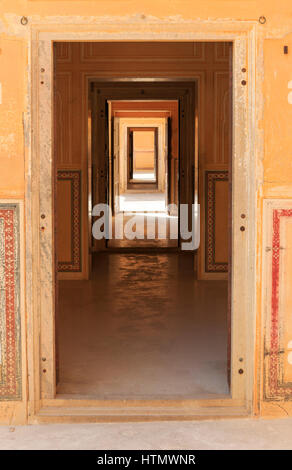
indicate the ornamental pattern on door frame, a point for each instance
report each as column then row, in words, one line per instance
column 75, row 263
column 211, row 177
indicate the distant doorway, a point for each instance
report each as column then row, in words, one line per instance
column 143, row 184
column 112, row 146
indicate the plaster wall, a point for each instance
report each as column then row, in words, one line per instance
column 273, row 127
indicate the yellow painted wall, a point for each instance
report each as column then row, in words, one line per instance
column 278, row 113
column 12, row 78
column 274, row 173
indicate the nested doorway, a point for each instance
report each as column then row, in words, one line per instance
column 241, row 145
column 172, row 364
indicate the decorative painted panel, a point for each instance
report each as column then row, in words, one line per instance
column 63, row 52
column 222, row 111
column 63, row 118
column 278, row 299
column 222, row 52
column 105, row 52
column 10, row 327
column 216, row 221
column 69, row 221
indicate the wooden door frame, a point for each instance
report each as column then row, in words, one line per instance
column 126, row 122
column 145, row 184
column 184, row 90
column 43, row 406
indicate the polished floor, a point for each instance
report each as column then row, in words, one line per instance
column 142, row 327
column 145, row 222
column 144, row 230
column 138, row 201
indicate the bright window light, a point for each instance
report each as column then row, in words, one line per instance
column 138, row 205
column 144, row 176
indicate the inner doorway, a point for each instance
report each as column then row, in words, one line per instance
column 176, row 322
column 143, row 183
column 114, row 170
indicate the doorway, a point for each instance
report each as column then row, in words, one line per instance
column 145, row 133
column 145, row 364
column 107, row 145
column 42, row 381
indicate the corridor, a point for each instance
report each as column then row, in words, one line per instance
column 143, row 327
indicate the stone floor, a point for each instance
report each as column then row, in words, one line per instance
column 150, row 229
column 143, row 216
column 229, row 434
column 143, row 327
column 154, row 201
